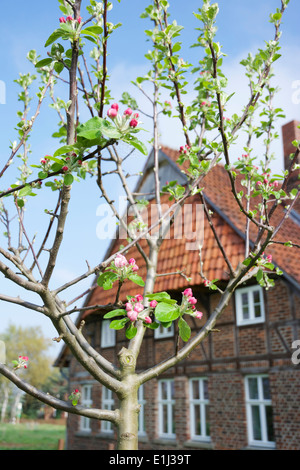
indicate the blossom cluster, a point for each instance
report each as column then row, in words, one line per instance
column 121, row 262
column 74, row 397
column 134, row 307
column 189, row 303
column 129, row 119
column 69, row 19
column 22, row 362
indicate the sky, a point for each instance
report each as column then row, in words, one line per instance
column 243, row 27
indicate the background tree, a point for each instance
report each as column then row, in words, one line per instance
column 18, row 340
column 92, row 147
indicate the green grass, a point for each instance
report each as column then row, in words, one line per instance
column 30, row 436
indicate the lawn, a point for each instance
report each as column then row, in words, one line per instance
column 31, row 435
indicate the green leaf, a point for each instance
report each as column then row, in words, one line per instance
column 115, row 313
column 68, row 179
column 58, row 67
column 118, row 324
column 184, row 329
column 131, row 331
column 136, row 279
column 58, row 33
column 106, row 280
column 131, row 140
column 42, row 175
column 92, row 31
column 43, row 63
column 159, row 296
column 165, row 312
column 62, row 151
column 25, row 191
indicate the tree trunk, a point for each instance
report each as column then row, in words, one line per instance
column 128, row 422
column 4, row 403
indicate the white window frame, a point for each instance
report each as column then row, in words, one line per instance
column 262, row 403
column 169, row 402
column 239, row 310
column 86, row 401
column 142, row 403
column 200, row 402
column 107, row 404
column 108, row 335
column 162, row 332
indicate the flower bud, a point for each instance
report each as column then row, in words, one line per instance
column 112, row 113
column 133, row 123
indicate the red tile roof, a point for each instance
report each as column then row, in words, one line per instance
column 230, row 226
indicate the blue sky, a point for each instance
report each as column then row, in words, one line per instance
column 242, row 27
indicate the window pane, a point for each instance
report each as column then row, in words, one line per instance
column 165, row 419
column 257, row 311
column 164, row 391
column 197, row 422
column 195, row 389
column 269, row 421
column 253, row 388
column 207, row 424
column 205, row 389
column 256, row 425
column 266, row 388
column 256, row 297
column 245, row 299
column 245, row 313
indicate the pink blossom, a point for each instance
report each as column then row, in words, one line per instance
column 153, row 303
column 265, row 180
column 115, row 106
column 128, row 306
column 65, row 168
column 206, row 282
column 135, row 268
column 259, row 183
column 136, row 115
column 188, row 292
column 133, row 123
column 139, row 298
column 275, row 184
column 120, row 261
column 69, row 18
column 269, row 258
column 112, row 113
column 43, row 161
column 138, row 307
column 199, row 314
column 128, row 112
column 192, row 300
column 62, row 19
column 79, row 19
column 147, row 320
column 132, row 315
column 131, row 261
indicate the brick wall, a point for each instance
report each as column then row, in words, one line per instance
column 225, row 357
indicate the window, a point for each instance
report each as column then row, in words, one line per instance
column 162, row 332
column 107, row 404
column 259, row 411
column 166, row 408
column 249, row 305
column 199, row 409
column 142, row 402
column 86, row 400
column 108, row 335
